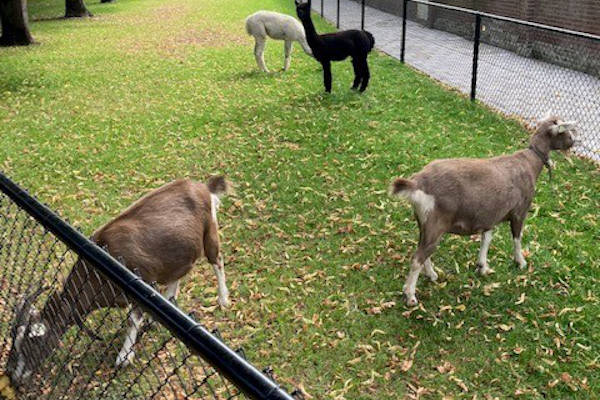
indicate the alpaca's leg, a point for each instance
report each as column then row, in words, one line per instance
column 288, row 54
column 259, row 52
column 357, row 73
column 327, row 75
column 365, row 74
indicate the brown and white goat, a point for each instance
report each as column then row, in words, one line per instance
column 468, row 196
column 160, row 237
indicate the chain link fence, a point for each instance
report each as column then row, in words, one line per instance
column 66, row 308
column 520, row 68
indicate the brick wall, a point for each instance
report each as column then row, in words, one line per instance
column 578, row 15
column 571, row 52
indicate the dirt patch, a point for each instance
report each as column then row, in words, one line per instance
column 177, row 44
column 168, row 31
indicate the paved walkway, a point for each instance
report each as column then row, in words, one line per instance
column 508, row 82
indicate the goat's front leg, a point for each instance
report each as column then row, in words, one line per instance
column 482, row 264
column 172, row 291
column 288, row 54
column 327, row 75
column 516, row 227
column 259, row 53
column 223, row 292
column 126, row 355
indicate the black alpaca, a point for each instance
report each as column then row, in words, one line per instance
column 337, row 47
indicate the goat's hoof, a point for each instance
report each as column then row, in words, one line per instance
column 410, row 300
column 521, row 265
column 433, row 277
column 224, row 303
column 484, row 270
column 123, row 360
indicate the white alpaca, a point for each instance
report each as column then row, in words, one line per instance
column 276, row 26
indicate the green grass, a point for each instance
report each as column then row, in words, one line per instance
column 105, row 109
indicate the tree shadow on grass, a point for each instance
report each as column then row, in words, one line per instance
column 49, row 19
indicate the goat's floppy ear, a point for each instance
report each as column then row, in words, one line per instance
column 566, row 126
column 297, row 3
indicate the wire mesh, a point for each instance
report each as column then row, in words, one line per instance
column 528, row 71
column 88, row 322
column 523, row 71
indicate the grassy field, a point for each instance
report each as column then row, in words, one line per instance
column 105, row 109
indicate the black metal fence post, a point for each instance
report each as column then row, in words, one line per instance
column 322, row 8
column 475, row 56
column 362, row 15
column 337, row 22
column 403, row 44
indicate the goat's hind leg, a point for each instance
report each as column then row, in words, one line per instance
column 429, row 271
column 429, row 238
column 259, row 52
column 223, row 292
column 288, row 54
column 213, row 254
column 126, row 355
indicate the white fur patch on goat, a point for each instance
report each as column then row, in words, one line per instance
column 422, row 202
column 215, row 203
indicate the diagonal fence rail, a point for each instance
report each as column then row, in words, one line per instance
column 72, row 356
column 518, row 67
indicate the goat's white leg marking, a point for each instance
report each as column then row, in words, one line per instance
column 411, row 283
column 288, row 54
column 223, row 292
column 519, row 259
column 172, row 290
column 429, row 271
column 126, row 354
column 259, row 53
column 482, row 264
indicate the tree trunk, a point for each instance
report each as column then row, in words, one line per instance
column 75, row 9
column 14, row 22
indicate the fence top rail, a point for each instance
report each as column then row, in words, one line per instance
column 243, row 374
column 509, row 19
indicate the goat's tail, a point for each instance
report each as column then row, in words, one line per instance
column 401, row 187
column 218, row 185
column 371, row 40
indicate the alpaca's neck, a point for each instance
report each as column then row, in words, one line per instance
column 309, row 29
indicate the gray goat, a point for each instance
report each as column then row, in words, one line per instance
column 469, row 196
